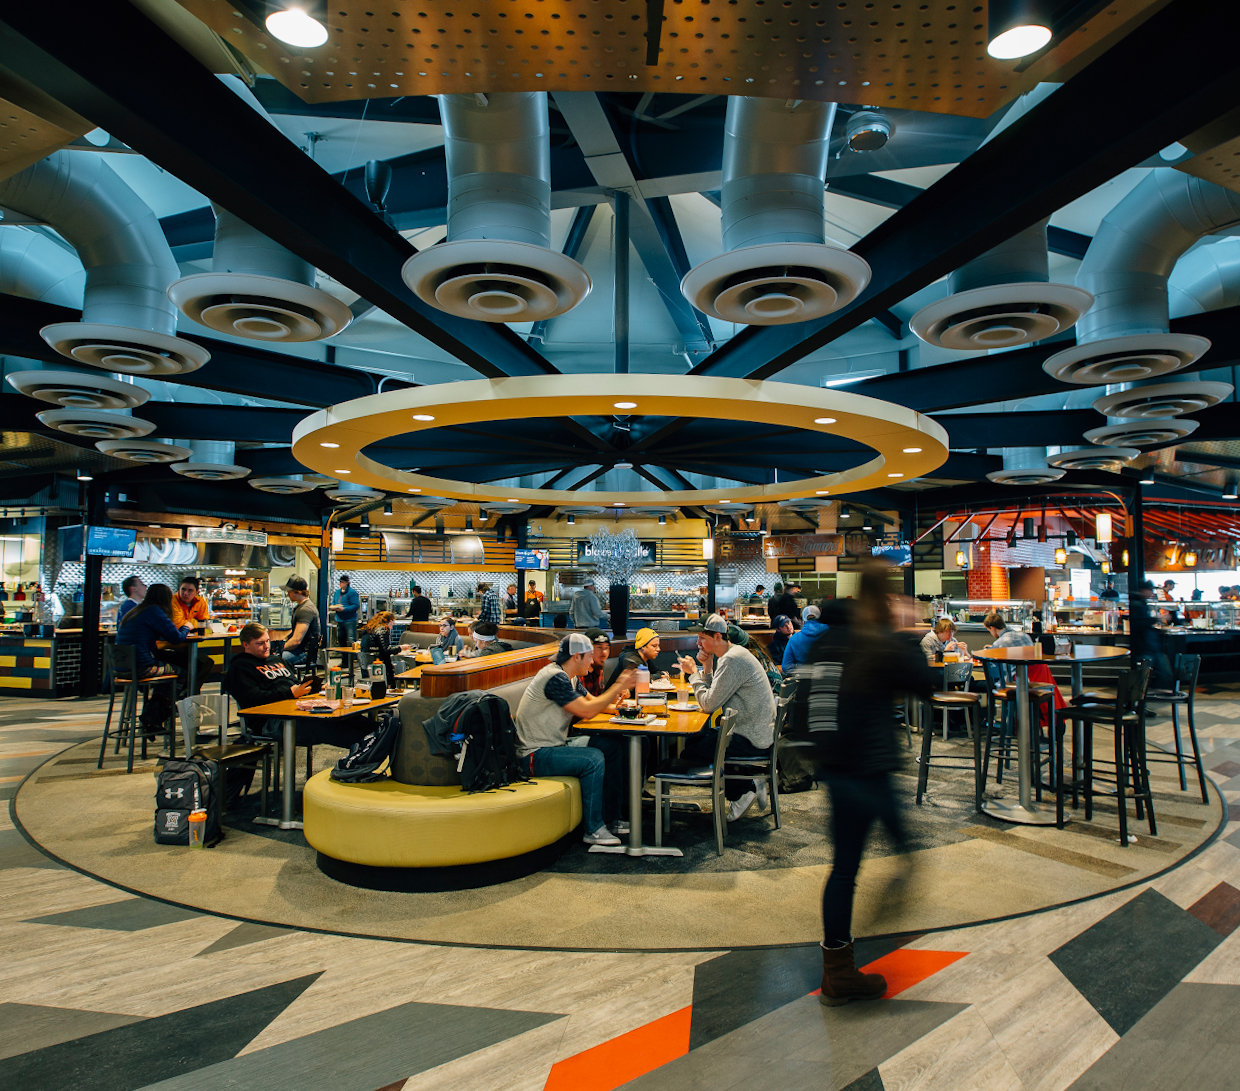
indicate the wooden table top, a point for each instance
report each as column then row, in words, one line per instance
column 411, row 675
column 1081, row 653
column 288, row 710
column 678, row 723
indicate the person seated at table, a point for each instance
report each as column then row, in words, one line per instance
column 419, row 605
column 643, row 653
column 801, row 641
column 731, row 678
column 450, row 641
column 303, row 642
column 942, row 639
column 782, row 624
column 256, row 678
column 486, row 639
column 148, row 626
column 376, row 640
column 187, row 611
column 553, row 699
column 592, row 680
column 1005, row 637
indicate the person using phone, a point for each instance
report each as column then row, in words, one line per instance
column 256, row 677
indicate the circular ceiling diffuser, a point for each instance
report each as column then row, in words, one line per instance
column 425, row 503
column 1025, row 475
column 645, row 512
column 91, row 424
column 1142, row 433
column 144, row 450
column 282, row 486
column 353, row 495
column 1094, row 458
column 867, row 131
column 125, row 349
column 582, row 510
column 506, row 509
column 729, row 509
column 260, row 308
column 1126, row 359
column 496, row 280
column 776, row 283
column 1001, row 315
column 211, row 471
column 805, row 503
column 1162, row 400
column 78, row 389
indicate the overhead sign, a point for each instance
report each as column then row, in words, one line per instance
column 226, row 534
column 585, row 553
column 805, row 545
column 538, row 559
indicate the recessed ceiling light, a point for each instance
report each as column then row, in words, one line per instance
column 512, row 500
column 895, row 475
column 342, row 471
column 332, row 445
column 153, row 526
column 617, row 504
column 1147, row 480
column 422, row 416
column 297, row 28
column 414, row 490
column 824, row 420
column 912, row 450
column 625, row 405
column 1019, row 42
column 823, row 492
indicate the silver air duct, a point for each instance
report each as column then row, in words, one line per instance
column 776, row 267
column 284, row 486
column 211, row 460
column 346, row 492
column 147, row 451
column 1206, row 279
column 256, row 288
column 32, row 266
column 1004, row 298
column 128, row 324
column 78, row 389
column 1108, row 459
column 94, row 425
column 497, row 264
column 1025, row 466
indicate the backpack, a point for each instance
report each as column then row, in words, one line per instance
column 488, row 738
column 181, row 787
column 362, row 763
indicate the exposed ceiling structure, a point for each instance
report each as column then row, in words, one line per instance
column 320, row 224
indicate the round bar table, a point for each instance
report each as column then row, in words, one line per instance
column 1025, row 811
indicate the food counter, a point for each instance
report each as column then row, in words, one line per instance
column 42, row 666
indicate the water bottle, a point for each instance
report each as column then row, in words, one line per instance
column 643, row 680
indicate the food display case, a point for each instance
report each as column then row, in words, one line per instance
column 234, row 597
column 1018, row 612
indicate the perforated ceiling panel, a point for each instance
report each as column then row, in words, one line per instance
column 921, row 56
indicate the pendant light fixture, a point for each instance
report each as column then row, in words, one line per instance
column 1190, row 558
column 961, row 560
column 1017, row 28
column 1061, row 556
column 298, row 23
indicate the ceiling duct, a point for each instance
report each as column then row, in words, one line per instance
column 583, row 510
column 497, row 264
column 148, row 451
column 128, row 323
column 425, row 503
column 283, row 486
column 1108, row 459
column 1025, row 466
column 346, row 492
column 1159, row 401
column 78, row 389
column 256, row 288
column 1003, row 298
column 776, row 267
column 644, row 512
column 32, row 266
column 93, row 424
column 728, row 509
column 212, row 460
column 805, row 504
column 1136, row 433
column 505, row 509
column 867, row 131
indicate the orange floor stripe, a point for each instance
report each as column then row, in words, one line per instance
column 904, row 968
column 622, row 1059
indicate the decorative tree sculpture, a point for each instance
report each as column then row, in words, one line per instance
column 618, row 557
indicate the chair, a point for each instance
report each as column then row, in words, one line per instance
column 679, row 771
column 120, row 661
column 1001, row 701
column 1126, row 717
column 969, row 703
column 1182, row 692
column 752, row 766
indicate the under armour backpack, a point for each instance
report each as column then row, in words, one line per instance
column 182, row 787
column 367, row 756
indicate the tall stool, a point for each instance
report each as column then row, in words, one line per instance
column 121, row 663
column 1183, row 689
column 1001, row 703
column 970, row 704
column 1126, row 717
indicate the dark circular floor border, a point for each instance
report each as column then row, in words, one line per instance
column 1223, row 820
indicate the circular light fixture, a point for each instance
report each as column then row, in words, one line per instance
column 1061, row 556
column 363, row 423
column 342, row 471
column 1016, row 28
column 822, row 492
column 831, row 420
column 1233, row 495
column 912, row 450
column 413, row 490
column 82, row 475
column 624, row 405
column 617, row 504
column 422, row 416
column 297, row 28
column 1149, row 480
column 1019, row 42
column 895, row 475
column 331, row 445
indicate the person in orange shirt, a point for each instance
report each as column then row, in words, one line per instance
column 189, row 609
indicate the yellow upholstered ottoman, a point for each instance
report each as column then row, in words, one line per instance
column 366, row 834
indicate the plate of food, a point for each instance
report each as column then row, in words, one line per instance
column 676, row 706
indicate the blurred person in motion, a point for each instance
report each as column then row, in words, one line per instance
column 854, row 674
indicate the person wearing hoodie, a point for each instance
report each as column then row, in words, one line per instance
column 782, row 624
column 799, row 644
column 256, row 678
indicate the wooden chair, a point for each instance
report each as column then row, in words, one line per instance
column 120, row 661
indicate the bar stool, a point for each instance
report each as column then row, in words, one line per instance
column 1126, row 717
column 120, row 660
column 970, row 704
column 1182, row 692
column 1001, row 699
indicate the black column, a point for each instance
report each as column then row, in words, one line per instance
column 523, row 535
column 908, row 531
column 96, row 516
column 323, row 592
column 1136, row 548
column 711, row 576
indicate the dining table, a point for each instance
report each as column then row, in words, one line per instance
column 195, row 642
column 292, row 712
column 677, row 723
column 1025, row 811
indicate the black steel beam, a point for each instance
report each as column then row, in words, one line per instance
column 229, row 153
column 1056, row 429
column 1163, row 80
column 572, row 247
column 664, row 217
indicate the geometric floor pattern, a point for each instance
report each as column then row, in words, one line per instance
column 101, row 990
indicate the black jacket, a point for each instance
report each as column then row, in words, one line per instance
column 253, row 681
column 846, row 705
column 783, row 604
column 419, row 608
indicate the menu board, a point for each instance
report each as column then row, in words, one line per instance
column 527, row 559
column 110, row 541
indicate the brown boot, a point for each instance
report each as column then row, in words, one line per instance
column 841, row 982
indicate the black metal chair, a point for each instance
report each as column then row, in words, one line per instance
column 120, row 661
column 688, row 774
column 969, row 703
column 1184, row 687
column 765, row 766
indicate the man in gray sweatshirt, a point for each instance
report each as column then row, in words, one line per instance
column 732, row 678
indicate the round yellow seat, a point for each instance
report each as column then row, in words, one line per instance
column 392, row 825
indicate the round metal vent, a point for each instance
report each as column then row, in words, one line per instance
column 143, row 450
column 584, row 510
column 91, row 424
column 282, row 486
column 805, row 503
column 78, row 390
column 497, row 280
column 260, row 308
column 1126, row 359
column 353, row 496
column 124, row 349
column 425, row 503
column 1094, row 458
column 1142, row 433
column 646, row 512
column 729, row 509
column 211, row 471
column 505, row 509
column 867, row 131
column 1162, row 400
column 1027, row 475
column 776, row 283
column 1001, row 315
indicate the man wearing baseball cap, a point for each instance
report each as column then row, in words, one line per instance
column 782, row 624
column 303, row 642
column 642, row 654
column 732, row 678
column 554, row 698
column 593, row 680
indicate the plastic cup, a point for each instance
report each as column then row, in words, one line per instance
column 197, row 828
column 346, row 696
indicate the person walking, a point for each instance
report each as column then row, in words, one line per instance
column 856, row 671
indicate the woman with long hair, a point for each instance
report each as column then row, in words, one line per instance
column 376, row 640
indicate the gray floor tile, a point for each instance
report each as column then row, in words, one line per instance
column 27, row 1027
column 130, row 915
column 243, row 935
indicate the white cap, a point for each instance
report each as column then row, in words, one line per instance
column 812, row 612
column 578, row 643
column 715, row 624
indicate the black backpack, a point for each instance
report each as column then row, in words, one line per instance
column 366, row 756
column 181, row 787
column 488, row 757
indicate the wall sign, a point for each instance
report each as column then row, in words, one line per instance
column 226, row 534
column 805, row 545
column 650, row 552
